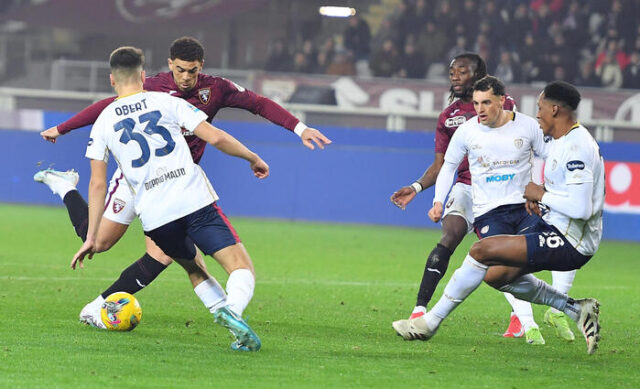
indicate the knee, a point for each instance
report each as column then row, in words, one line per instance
column 480, row 251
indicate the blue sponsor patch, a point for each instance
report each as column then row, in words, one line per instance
column 575, row 165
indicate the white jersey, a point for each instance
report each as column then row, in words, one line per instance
column 572, row 160
column 500, row 159
column 143, row 132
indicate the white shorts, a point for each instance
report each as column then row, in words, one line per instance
column 460, row 203
column 119, row 204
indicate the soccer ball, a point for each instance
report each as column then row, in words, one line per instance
column 121, row 312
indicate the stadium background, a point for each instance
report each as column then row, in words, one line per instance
column 53, row 63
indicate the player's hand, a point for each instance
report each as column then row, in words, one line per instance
column 435, row 213
column 88, row 247
column 50, row 134
column 311, row 135
column 532, row 207
column 533, row 192
column 260, row 168
column 403, row 196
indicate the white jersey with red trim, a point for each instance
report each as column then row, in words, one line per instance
column 143, row 133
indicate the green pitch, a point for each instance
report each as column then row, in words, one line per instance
column 325, row 299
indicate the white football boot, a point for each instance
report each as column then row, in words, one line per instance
column 90, row 314
column 59, row 182
column 414, row 329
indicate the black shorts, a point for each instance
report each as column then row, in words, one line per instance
column 548, row 249
column 208, row 228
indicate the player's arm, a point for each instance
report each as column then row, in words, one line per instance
column 230, row 145
column 456, row 151
column 239, row 97
column 575, row 203
column 97, row 193
column 403, row 196
column 83, row 118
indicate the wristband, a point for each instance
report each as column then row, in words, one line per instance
column 417, row 187
column 299, row 128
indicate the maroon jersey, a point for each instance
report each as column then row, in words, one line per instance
column 449, row 120
column 209, row 95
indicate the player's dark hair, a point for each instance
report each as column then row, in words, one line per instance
column 490, row 83
column 186, row 48
column 563, row 93
column 126, row 58
column 477, row 66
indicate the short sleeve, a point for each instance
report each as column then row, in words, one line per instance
column 97, row 147
column 187, row 115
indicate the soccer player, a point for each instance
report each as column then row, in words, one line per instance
column 143, row 131
column 207, row 93
column 464, row 70
column 499, row 145
column 565, row 239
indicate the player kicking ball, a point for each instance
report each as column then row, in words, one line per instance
column 143, row 132
column 566, row 238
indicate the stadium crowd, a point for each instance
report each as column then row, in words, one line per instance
column 586, row 42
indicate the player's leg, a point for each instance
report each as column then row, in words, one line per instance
column 456, row 223
column 562, row 281
column 174, row 240
column 465, row 280
column 219, row 239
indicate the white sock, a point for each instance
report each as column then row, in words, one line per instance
column 211, row 294
column 96, row 303
column 419, row 309
column 532, row 289
column 240, row 286
column 523, row 310
column 562, row 282
column 462, row 283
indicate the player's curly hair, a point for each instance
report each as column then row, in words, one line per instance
column 563, row 93
column 478, row 67
column 186, row 48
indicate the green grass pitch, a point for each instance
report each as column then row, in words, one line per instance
column 325, row 298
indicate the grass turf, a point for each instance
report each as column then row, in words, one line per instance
column 325, row 298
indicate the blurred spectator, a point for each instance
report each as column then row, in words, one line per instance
column 586, row 75
column 386, row 31
column 609, row 72
column 613, row 50
column 459, row 48
column 357, row 38
column 468, row 17
column 310, row 53
column 279, row 59
column 531, row 59
column 483, row 47
column 631, row 75
column 507, row 70
column 412, row 63
column 301, row 63
column 342, row 64
column 384, row 62
column 445, row 18
column 559, row 73
column 493, row 18
column 519, row 24
column 432, row 42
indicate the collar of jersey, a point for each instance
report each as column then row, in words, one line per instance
column 130, row 94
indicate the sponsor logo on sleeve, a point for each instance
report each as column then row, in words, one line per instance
column 90, row 142
column 575, row 165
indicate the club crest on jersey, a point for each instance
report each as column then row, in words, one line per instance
column 455, row 121
column 118, row 205
column 575, row 165
column 204, row 95
column 518, row 143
